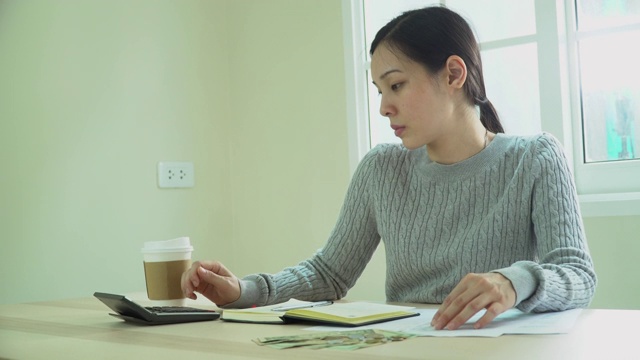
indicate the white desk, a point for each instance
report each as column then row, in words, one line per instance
column 81, row 329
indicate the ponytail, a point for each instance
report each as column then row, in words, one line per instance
column 489, row 117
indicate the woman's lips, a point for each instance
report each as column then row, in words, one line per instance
column 398, row 130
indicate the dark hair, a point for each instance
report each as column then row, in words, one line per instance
column 429, row 36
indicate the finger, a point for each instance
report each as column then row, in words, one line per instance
column 189, row 280
column 492, row 311
column 187, row 289
column 210, row 277
column 488, row 299
column 216, row 267
column 452, row 304
column 195, row 279
column 467, row 312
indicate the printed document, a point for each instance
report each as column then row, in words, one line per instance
column 510, row 322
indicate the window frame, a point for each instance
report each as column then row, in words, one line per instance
column 593, row 179
column 559, row 99
column 356, row 83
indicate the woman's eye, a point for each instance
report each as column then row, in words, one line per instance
column 393, row 87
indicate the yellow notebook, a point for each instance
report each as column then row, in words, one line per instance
column 350, row 314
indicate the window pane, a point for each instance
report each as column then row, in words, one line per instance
column 598, row 14
column 610, row 98
column 519, row 114
column 497, row 19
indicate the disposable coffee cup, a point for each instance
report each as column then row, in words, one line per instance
column 164, row 263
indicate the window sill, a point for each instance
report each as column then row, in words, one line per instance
column 620, row 204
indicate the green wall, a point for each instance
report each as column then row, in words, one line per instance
column 94, row 93
column 614, row 246
column 288, row 129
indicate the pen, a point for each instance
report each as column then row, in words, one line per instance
column 303, row 306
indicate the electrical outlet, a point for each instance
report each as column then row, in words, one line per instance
column 176, row 175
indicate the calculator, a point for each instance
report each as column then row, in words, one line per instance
column 130, row 311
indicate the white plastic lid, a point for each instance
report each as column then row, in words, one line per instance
column 174, row 245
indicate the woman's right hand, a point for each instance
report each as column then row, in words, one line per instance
column 212, row 280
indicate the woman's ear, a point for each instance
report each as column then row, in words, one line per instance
column 456, row 71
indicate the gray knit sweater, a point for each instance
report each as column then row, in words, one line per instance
column 512, row 209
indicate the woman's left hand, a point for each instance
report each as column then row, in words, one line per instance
column 490, row 291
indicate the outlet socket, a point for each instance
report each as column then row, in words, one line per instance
column 175, row 174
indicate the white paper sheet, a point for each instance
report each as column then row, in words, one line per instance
column 510, row 322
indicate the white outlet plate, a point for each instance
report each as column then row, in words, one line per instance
column 176, row 174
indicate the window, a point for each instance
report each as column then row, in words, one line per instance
column 609, row 101
column 561, row 58
column 602, row 32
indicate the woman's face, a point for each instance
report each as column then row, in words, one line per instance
column 415, row 101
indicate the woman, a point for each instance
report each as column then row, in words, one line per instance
column 471, row 218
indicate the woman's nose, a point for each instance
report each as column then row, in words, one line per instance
column 386, row 109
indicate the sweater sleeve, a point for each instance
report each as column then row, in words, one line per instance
column 334, row 269
column 563, row 276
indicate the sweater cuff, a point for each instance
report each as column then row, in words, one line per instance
column 524, row 282
column 249, row 295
